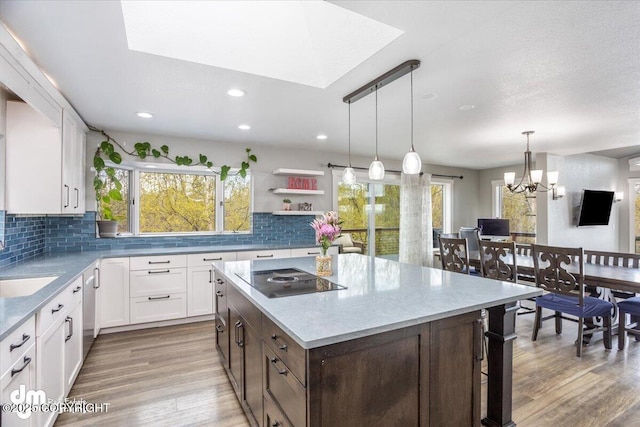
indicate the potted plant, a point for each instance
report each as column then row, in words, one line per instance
column 108, row 188
column 286, row 204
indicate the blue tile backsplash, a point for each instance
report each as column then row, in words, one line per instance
column 28, row 236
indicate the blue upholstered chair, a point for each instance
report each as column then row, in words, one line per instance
column 560, row 273
column 628, row 306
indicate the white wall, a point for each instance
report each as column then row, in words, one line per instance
column 626, row 233
column 557, row 219
column 465, row 199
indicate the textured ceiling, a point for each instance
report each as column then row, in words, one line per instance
column 568, row 70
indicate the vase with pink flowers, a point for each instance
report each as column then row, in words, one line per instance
column 328, row 229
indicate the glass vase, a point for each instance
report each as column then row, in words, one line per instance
column 324, row 265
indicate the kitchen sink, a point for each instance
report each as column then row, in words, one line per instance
column 12, row 288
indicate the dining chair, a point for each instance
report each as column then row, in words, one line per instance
column 628, row 306
column 454, row 254
column 472, row 234
column 497, row 260
column 560, row 273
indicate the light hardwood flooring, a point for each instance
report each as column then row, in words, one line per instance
column 172, row 377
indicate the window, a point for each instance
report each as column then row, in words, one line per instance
column 441, row 205
column 635, row 214
column 519, row 210
column 120, row 208
column 179, row 201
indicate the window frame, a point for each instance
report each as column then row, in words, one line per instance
column 134, row 196
column 632, row 213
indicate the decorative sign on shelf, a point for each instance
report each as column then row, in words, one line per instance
column 301, row 183
column 305, row 206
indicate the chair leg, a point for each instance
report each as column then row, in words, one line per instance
column 580, row 335
column 537, row 322
column 607, row 332
column 622, row 331
column 558, row 322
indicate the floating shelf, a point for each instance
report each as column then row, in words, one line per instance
column 297, row 172
column 294, row 191
column 315, row 213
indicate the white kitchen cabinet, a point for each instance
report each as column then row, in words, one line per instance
column 44, row 163
column 50, row 367
column 200, row 286
column 12, row 347
column 21, row 374
column 158, row 288
column 72, row 166
column 73, row 339
column 114, row 292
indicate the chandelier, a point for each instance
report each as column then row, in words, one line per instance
column 531, row 180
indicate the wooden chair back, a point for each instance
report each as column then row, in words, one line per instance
column 559, row 270
column 454, row 254
column 612, row 258
column 497, row 260
column 523, row 249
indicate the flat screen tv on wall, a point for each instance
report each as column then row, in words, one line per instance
column 595, row 208
column 494, row 227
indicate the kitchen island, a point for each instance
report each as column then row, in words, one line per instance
column 401, row 345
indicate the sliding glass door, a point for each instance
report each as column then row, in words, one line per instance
column 370, row 212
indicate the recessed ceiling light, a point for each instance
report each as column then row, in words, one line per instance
column 144, row 115
column 321, row 137
column 467, row 107
column 244, row 127
column 236, row 92
column 429, row 96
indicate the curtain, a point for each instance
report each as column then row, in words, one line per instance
column 416, row 236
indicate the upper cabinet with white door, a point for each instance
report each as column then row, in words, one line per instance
column 45, row 139
column 45, row 164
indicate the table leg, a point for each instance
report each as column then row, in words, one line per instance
column 502, row 323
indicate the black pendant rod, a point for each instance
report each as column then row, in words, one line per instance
column 383, row 80
column 333, row 165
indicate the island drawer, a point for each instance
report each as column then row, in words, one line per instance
column 158, row 262
column 285, row 390
column 285, row 348
column 273, row 416
column 16, row 343
column 154, row 282
column 205, row 259
column 247, row 310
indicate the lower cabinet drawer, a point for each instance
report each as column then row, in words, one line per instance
column 273, row 416
column 283, row 387
column 158, row 282
column 285, row 348
column 13, row 346
column 158, row 307
column 21, row 373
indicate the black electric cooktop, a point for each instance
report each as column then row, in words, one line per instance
column 286, row 282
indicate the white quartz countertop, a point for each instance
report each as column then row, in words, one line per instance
column 381, row 295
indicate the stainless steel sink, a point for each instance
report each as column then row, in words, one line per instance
column 12, row 288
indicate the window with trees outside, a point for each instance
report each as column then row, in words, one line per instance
column 519, row 210
column 175, row 202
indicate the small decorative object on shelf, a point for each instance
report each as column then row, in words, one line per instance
column 286, row 204
column 327, row 229
column 305, row 206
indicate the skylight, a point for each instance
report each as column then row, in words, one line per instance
column 312, row 43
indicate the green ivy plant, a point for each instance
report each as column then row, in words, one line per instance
column 111, row 149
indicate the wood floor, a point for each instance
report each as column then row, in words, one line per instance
column 172, row 377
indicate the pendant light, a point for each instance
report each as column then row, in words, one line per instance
column 376, row 169
column 348, row 174
column 412, row 164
